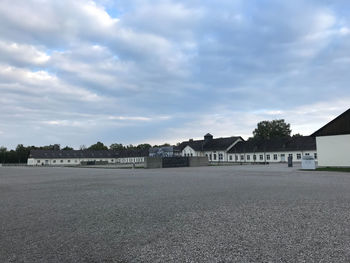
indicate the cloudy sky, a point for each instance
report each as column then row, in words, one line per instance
column 134, row 71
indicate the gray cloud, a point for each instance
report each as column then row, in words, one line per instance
column 72, row 72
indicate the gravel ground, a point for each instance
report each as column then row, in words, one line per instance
column 207, row 214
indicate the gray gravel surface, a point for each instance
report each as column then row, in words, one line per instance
column 208, row 214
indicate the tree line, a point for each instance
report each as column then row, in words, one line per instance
column 21, row 153
column 265, row 130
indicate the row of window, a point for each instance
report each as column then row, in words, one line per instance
column 69, row 161
column 268, row 157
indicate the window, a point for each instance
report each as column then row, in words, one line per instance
column 61, row 161
column 209, row 156
column 214, row 156
column 290, row 155
column 298, row 156
column 282, row 155
column 248, row 157
column 68, row 161
column 76, row 161
column 242, row 157
column 275, row 156
column 307, row 154
column 236, row 157
column 268, row 157
column 221, row 156
column 230, row 157
column 38, row 161
column 254, row 157
column 54, row 161
column 315, row 155
column 261, row 157
column 191, row 154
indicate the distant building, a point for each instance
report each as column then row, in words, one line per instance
column 215, row 149
column 274, row 150
column 235, row 149
column 333, row 142
column 165, row 151
column 79, row 157
column 70, row 157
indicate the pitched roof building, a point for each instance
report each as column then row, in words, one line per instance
column 333, row 142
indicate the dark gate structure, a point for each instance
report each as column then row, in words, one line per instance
column 168, row 162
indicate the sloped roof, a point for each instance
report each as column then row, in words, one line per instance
column 50, row 154
column 210, row 145
column 339, row 126
column 302, row 143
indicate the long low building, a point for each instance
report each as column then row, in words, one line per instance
column 274, row 150
column 79, row 157
column 235, row 149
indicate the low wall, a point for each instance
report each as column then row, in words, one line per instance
column 153, row 162
column 198, row 161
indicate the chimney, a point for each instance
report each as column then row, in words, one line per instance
column 208, row 137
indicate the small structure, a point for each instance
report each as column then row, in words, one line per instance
column 333, row 142
column 164, row 151
column 308, row 163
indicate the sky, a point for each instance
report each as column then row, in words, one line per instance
column 137, row 71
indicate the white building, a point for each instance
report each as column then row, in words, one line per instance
column 235, row 149
column 81, row 157
column 274, row 150
column 215, row 149
column 333, row 142
column 70, row 157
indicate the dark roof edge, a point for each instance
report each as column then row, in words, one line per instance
column 319, row 131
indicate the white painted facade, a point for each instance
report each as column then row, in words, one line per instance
column 213, row 156
column 270, row 157
column 78, row 161
column 333, row 150
column 66, row 161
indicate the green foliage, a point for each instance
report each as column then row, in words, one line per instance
column 98, row 146
column 116, row 147
column 271, row 129
column 67, row 148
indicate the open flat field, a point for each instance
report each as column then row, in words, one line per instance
column 208, row 214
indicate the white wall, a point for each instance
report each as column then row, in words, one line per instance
column 333, row 150
column 66, row 161
column 188, row 151
column 279, row 156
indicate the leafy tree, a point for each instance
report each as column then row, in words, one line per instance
column 98, row 146
column 297, row 135
column 272, row 129
column 116, row 147
column 82, row 147
column 67, row 148
column 22, row 153
column 144, row 146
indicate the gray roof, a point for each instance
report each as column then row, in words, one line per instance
column 338, row 126
column 57, row 154
column 210, row 145
column 302, row 143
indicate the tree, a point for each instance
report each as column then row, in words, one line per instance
column 116, row 147
column 271, row 129
column 22, row 153
column 297, row 135
column 144, row 146
column 67, row 148
column 82, row 147
column 98, row 146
